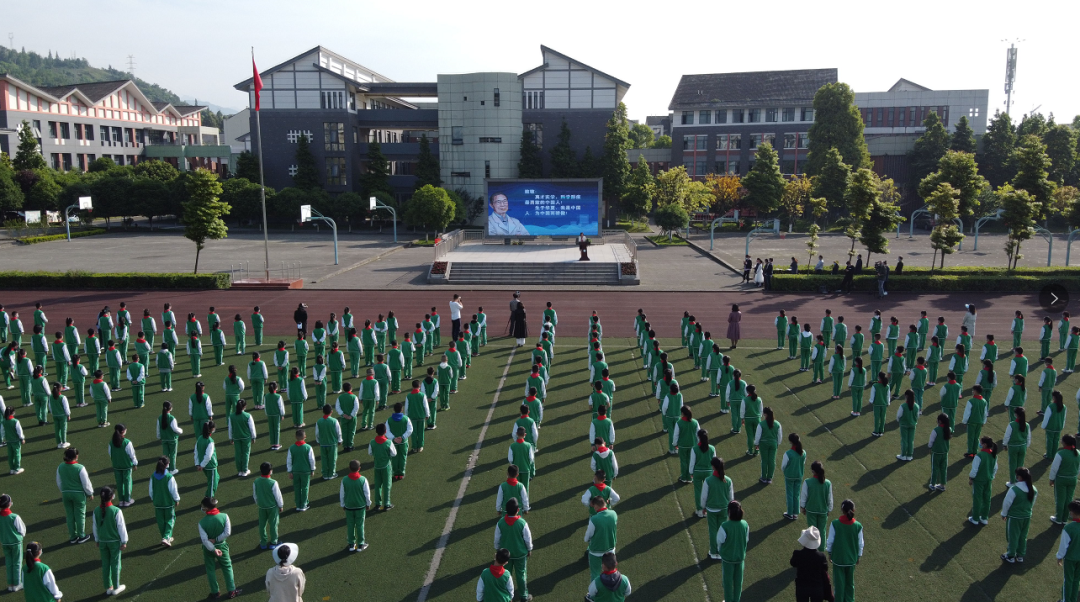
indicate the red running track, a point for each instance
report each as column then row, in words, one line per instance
column 616, row 309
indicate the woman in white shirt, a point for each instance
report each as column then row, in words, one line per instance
column 969, row 320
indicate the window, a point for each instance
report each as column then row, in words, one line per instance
column 753, row 116
column 66, row 160
column 771, row 115
column 687, row 118
column 700, row 168
column 733, row 167
column 721, row 166
column 55, row 160
column 889, row 118
column 689, row 165
column 808, row 113
column 88, row 130
column 901, row 118
column 804, row 140
column 721, row 116
column 117, row 136
column 770, row 139
column 704, row 117
column 496, row 97
column 721, row 142
column 459, row 174
column 972, row 112
column 913, row 116
column 702, row 141
column 104, row 135
column 735, row 142
column 52, row 130
column 294, row 135
column 755, row 141
column 534, row 99
column 537, row 130
column 79, row 131
column 487, row 169
column 457, row 135
column 334, row 136
column 688, row 143
column 37, row 127
column 787, row 167
column 789, row 114
column 355, row 135
column 495, row 140
column 737, row 115
column 65, row 130
column 789, row 140
column 335, row 171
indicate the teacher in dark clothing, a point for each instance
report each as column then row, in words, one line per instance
column 811, row 569
column 300, row 318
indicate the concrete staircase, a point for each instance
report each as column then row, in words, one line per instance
column 575, row 273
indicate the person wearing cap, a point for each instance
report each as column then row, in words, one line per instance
column 285, row 582
column 811, row 566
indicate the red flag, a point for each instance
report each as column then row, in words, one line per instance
column 258, row 82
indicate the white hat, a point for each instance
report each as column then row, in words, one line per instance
column 294, row 551
column 810, row 538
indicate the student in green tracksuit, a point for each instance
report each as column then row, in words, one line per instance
column 165, row 497
column 1016, row 512
column 408, row 355
column 200, row 407
column 136, row 375
column 1068, row 553
column 267, row 495
column 380, row 327
column 816, row 497
column 806, row 342
column 296, row 391
column 318, row 373
column 964, row 339
column 1064, row 328
column 148, row 326
column 716, row 493
column 939, row 453
column 355, row 498
column 165, row 363
column 1017, row 439
column 601, row 534
column 923, row 329
column 984, row 468
column 100, row 393
column 1019, row 364
column 910, row 347
column 1047, row 382
column 950, row 398
column 710, row 365
column 430, row 331
column 892, row 335
column 396, row 362
column 214, row 531
column 335, row 367
column 732, row 539
column 13, row 435
column 857, row 384
column 239, row 330
column 857, row 341
column 194, row 351
column 793, row 466
column 110, row 533
column 825, row 330
column 845, row 545
column 382, row 450
column 368, row 343
column 40, row 347
column 933, row 361
column 39, row 392
column 242, row 434
column 989, row 350
column 736, row 394
column 701, row 456
column 752, row 408
column 257, row 324
column 400, row 429
column 767, row 438
column 168, row 431
column 1053, row 423
column 7, row 363
column 781, row 323
column 495, row 584
column 793, row 331
column 917, row 377
column 281, row 362
column 723, row 378
column 523, row 455
column 897, row 371
column 369, row 397
column 328, row 436
column 122, row 455
column 877, row 355
column 300, row 464
column 12, row 532
column 75, row 487
column 434, row 393
column 1072, row 344
column 685, row 437
column 837, row 367
column 318, row 338
column 257, row 376
column 5, row 324
column 300, row 350
column 16, row 327
column 1017, row 328
column 115, row 361
column 169, row 338
column 62, row 358
column 987, row 378
column 840, row 332
column 671, row 409
column 879, row 401
column 1045, row 335
column 976, row 413
column 1063, row 473
column 453, row 357
column 417, row 409
column 908, row 417
column 356, row 352
column 512, row 534
column 275, row 411
column 142, row 349
column 348, row 408
column 61, row 412
column 818, row 360
column 206, row 460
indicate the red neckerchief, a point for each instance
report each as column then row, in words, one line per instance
column 978, row 397
column 530, row 398
column 520, row 440
column 369, row 377
column 525, row 414
column 535, row 375
column 282, row 348
column 847, row 521
column 107, row 504
column 213, row 512
column 5, row 512
column 238, row 320
column 136, row 340
column 600, row 486
column 793, row 448
column 300, row 443
column 920, row 367
column 601, row 449
column 512, row 482
column 112, row 348
column 325, row 416
column 989, row 451
column 354, row 475
column 606, row 378
column 933, row 344
column 611, row 572
column 367, row 328
column 1019, row 355
column 961, row 355
column 510, row 520
column 416, row 390
column 61, row 341
column 991, row 344
column 380, row 439
column 898, row 354
column 66, row 462
column 684, row 418
column 496, row 570
column 952, row 382
column 1069, row 446
column 98, row 381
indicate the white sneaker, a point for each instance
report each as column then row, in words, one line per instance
column 19, row 471
column 119, row 588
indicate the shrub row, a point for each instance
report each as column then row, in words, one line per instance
column 924, row 283
column 123, row 281
column 31, row 240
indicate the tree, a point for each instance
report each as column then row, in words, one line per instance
column 1061, row 143
column 929, row 148
column 45, row 192
column 430, row 207
column 831, row 181
column 614, row 166
column 531, row 164
column 307, row 172
column 156, row 170
column 11, row 196
column 1032, row 167
column 1020, row 209
column 589, row 167
column 884, row 218
column 427, row 166
column 861, row 195
column 945, row 204
column 28, row 155
column 795, row 197
column 247, row 166
column 151, row 197
column 203, row 211
column 998, row 143
column 662, row 141
column 1063, row 202
column 764, row 184
column 812, row 243
column 963, row 137
column 727, row 192
column 563, row 159
column 837, row 124
column 959, row 171
column 1033, row 125
column 639, row 192
column 101, row 164
column 641, row 136
column 670, row 218
column 376, row 177
column 244, row 198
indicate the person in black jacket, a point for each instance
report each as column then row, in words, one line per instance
column 858, row 265
column 747, row 265
column 900, row 266
column 849, row 275
column 768, row 274
column 300, row 317
column 811, row 569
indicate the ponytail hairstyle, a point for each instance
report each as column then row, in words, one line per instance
column 819, row 471
column 734, row 510
column 769, row 420
column 283, row 554
column 240, row 406
column 199, row 388
column 162, row 465
column 208, row 428
column 9, row 412
column 910, row 399
column 56, row 390
column 751, row 392
column 272, row 387
column 1023, row 474
column 737, row 374
column 796, row 443
column 989, row 367
column 703, row 440
column 106, row 496
column 988, row 443
column 858, row 363
column 166, row 407
column 847, row 507
column 718, row 466
column 1070, row 443
column 1059, row 405
column 232, row 374
column 946, row 427
column 33, row 552
column 118, row 435
column 1021, row 382
column 1021, row 419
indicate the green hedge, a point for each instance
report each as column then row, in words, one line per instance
column 32, row 240
column 923, row 283
column 130, row 281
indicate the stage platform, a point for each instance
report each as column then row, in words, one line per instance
column 477, row 263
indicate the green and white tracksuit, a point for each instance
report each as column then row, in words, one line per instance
column 816, row 501
column 268, row 500
column 12, row 532
column 732, row 539
column 1063, row 473
column 275, row 411
column 242, row 434
column 300, row 463
column 206, row 458
column 602, row 537
column 793, row 466
column 512, row 533
column 382, row 450
column 123, row 461
column 347, row 404
column 844, row 544
column 354, row 497
column 984, row 468
column 939, row 456
column 74, row 484
column 328, row 436
column 214, row 531
column 110, row 533
column 169, row 436
column 1017, row 441
column 1017, row 511
column 165, row 496
column 716, row 494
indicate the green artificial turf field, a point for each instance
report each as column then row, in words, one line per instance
column 918, row 544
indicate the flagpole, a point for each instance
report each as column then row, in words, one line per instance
column 262, row 186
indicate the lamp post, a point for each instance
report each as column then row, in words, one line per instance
column 307, row 214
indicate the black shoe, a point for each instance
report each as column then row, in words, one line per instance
column 83, row 539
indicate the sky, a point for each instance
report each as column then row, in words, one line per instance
column 201, row 48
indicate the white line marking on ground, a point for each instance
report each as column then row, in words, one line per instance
column 440, row 548
column 151, row 582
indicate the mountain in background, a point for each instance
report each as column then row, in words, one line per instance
column 50, row 70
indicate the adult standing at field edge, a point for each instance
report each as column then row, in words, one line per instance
column 300, row 317
column 455, row 317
